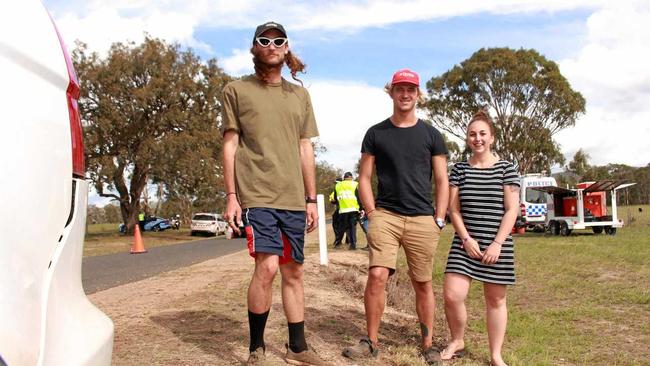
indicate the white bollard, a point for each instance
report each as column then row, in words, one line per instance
column 322, row 230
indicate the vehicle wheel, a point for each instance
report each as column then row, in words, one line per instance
column 610, row 230
column 597, row 229
column 155, row 228
column 554, row 228
column 564, row 229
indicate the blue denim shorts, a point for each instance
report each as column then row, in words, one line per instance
column 273, row 231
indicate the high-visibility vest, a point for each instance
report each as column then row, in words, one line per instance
column 345, row 194
column 141, row 217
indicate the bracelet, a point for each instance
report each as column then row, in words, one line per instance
column 465, row 239
column 229, row 193
column 311, row 199
column 369, row 212
column 495, row 241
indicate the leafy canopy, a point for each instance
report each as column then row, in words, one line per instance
column 526, row 95
column 150, row 113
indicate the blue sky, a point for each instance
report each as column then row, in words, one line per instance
column 353, row 47
column 429, row 47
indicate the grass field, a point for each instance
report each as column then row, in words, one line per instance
column 579, row 300
column 105, row 239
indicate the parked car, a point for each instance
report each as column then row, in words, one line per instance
column 151, row 223
column 208, row 223
column 45, row 316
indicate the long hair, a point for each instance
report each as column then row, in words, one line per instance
column 295, row 65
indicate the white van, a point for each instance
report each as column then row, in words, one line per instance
column 532, row 202
column 45, row 316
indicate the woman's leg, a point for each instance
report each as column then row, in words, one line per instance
column 455, row 292
column 497, row 319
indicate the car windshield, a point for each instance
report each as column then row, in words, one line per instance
column 534, row 196
column 204, row 217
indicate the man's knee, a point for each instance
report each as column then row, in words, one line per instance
column 377, row 278
column 292, row 273
column 265, row 268
column 422, row 288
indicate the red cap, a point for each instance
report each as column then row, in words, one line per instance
column 405, row 76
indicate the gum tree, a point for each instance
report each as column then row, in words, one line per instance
column 150, row 114
column 526, row 95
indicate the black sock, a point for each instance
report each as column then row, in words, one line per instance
column 256, row 324
column 297, row 341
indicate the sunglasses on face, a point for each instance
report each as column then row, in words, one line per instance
column 265, row 42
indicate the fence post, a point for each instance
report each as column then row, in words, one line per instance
column 322, row 229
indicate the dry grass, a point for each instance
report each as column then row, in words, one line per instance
column 579, row 300
column 106, row 239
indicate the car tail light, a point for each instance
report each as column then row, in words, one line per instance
column 72, row 95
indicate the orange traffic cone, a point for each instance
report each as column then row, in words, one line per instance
column 138, row 245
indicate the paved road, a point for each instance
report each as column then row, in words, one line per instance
column 106, row 271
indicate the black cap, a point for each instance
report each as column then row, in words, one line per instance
column 347, row 175
column 266, row 26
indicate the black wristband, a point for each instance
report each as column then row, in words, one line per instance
column 311, row 200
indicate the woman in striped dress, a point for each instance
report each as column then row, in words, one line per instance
column 483, row 204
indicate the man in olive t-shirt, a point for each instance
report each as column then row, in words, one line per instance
column 269, row 172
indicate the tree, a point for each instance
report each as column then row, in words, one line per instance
column 577, row 169
column 150, row 113
column 525, row 93
column 326, row 175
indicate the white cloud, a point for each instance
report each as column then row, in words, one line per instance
column 611, row 72
column 100, row 23
column 344, row 111
column 103, row 24
column 238, row 63
column 346, row 15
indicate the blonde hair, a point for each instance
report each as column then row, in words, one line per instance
column 388, row 88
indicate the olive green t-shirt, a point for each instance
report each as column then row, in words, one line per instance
column 270, row 120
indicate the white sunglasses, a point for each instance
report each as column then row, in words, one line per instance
column 265, row 41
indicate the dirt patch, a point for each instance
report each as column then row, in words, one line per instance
column 197, row 315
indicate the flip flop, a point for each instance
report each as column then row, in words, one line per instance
column 458, row 354
column 434, row 357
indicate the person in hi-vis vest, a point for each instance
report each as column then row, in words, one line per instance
column 346, row 194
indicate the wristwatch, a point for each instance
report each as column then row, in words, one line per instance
column 441, row 223
column 310, row 199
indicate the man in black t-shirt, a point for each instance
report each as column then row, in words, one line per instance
column 406, row 152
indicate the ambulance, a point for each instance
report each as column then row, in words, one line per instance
column 533, row 202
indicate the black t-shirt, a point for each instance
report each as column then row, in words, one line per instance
column 403, row 164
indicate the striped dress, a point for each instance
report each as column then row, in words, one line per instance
column 481, row 206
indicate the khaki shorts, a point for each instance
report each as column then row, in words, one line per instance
column 418, row 235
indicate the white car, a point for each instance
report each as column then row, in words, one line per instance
column 45, row 316
column 208, row 223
